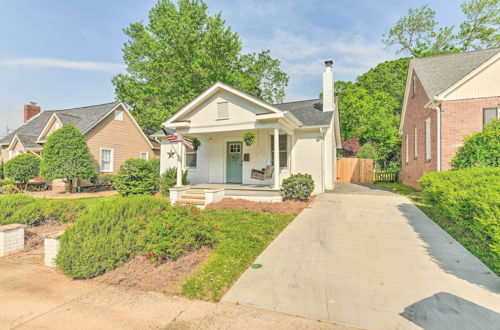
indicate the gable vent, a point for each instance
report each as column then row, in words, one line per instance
column 222, row 110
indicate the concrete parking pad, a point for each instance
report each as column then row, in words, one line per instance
column 362, row 259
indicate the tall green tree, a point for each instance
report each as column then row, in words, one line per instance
column 66, row 155
column 180, row 52
column 22, row 169
column 417, row 33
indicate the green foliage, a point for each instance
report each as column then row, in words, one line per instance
column 63, row 210
column 480, row 149
column 66, row 156
column 23, row 168
column 368, row 150
column 298, row 186
column 470, row 200
column 2, row 174
column 179, row 52
column 196, row 143
column 175, row 232
column 169, row 179
column 242, row 236
column 107, row 235
column 417, row 33
column 249, row 138
column 137, row 176
column 102, row 180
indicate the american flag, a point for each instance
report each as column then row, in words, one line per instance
column 174, row 137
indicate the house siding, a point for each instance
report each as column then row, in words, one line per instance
column 306, row 156
column 415, row 117
column 124, row 137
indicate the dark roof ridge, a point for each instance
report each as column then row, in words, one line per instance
column 87, row 106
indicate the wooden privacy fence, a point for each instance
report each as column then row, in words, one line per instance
column 383, row 176
column 356, row 170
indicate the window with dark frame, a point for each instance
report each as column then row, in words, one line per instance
column 489, row 114
column 283, row 150
column 191, row 158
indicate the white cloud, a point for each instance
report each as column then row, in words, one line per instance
column 62, row 63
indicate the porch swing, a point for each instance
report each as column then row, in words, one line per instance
column 265, row 173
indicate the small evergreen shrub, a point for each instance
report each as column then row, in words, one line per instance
column 169, row 179
column 63, row 210
column 137, row 177
column 19, row 208
column 367, row 151
column 176, row 232
column 481, row 149
column 22, row 169
column 470, row 199
column 107, row 235
column 298, row 186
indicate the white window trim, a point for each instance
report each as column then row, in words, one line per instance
column 271, row 146
column 144, row 152
column 428, row 154
column 415, row 142
column 112, row 162
column 118, row 115
column 406, row 149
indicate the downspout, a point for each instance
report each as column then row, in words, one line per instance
column 322, row 133
column 438, row 134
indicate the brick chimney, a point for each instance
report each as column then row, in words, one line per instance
column 328, row 97
column 30, row 110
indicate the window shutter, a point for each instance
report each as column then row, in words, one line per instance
column 428, row 139
column 222, row 110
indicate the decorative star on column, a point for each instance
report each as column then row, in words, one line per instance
column 171, row 154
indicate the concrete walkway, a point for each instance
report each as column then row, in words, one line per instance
column 371, row 260
column 36, row 297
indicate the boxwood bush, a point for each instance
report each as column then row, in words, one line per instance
column 107, row 235
column 470, row 199
column 298, row 186
column 137, row 177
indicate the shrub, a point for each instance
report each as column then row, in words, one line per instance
column 481, row 149
column 470, row 199
column 19, row 208
column 66, row 155
column 298, row 186
column 22, row 169
column 9, row 188
column 63, row 210
column 136, row 176
column 2, row 175
column 107, row 235
column 176, row 232
column 367, row 151
column 169, row 179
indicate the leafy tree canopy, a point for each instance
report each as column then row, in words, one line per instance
column 180, row 52
column 66, row 155
column 23, row 168
column 417, row 34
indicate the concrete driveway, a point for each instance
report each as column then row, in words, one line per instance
column 371, row 260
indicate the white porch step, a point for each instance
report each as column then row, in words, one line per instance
column 193, row 196
column 183, row 201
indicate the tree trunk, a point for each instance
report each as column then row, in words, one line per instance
column 69, row 186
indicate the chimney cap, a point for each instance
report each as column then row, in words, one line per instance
column 328, row 63
column 32, row 103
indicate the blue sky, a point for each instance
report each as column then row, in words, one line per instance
column 63, row 53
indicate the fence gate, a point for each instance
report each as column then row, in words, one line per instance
column 356, row 170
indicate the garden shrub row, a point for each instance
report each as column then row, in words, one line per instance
column 470, row 199
column 113, row 231
column 23, row 209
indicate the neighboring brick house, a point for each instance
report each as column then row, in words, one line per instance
column 447, row 98
column 112, row 134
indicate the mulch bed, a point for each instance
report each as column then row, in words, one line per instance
column 168, row 277
column 287, row 207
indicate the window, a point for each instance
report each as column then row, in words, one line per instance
column 144, row 155
column 283, row 151
column 489, row 114
column 107, row 160
column 119, row 115
column 222, row 110
column 406, row 148
column 191, row 158
column 428, row 139
column 415, row 144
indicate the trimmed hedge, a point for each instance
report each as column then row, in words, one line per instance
column 137, row 177
column 107, row 235
column 470, row 199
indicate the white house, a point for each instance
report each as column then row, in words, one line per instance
column 306, row 133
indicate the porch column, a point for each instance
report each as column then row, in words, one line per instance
column 179, row 164
column 276, row 158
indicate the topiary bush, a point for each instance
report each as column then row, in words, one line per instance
column 367, row 151
column 298, row 186
column 136, row 177
column 470, row 200
column 180, row 230
column 22, row 169
column 169, row 179
column 107, row 235
column 481, row 149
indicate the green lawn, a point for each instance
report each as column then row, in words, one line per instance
column 462, row 235
column 243, row 235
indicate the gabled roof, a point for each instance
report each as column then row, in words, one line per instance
column 438, row 73
column 309, row 112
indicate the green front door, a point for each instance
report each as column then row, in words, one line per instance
column 234, row 162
